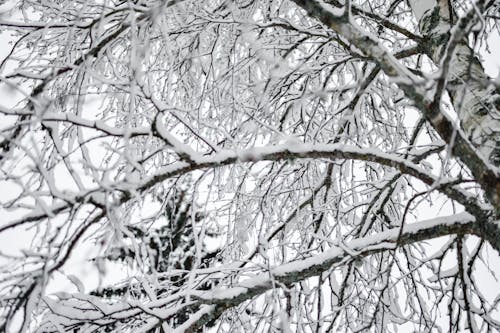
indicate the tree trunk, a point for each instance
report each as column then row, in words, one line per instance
column 475, row 99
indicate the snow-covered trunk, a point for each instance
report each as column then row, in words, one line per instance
column 475, row 99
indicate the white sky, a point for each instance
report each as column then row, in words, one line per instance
column 14, row 240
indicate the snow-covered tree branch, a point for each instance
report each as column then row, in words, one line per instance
column 249, row 165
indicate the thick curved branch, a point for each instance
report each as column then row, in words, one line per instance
column 328, row 151
column 276, row 153
column 214, row 302
column 222, row 299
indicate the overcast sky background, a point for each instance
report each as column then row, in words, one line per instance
column 14, row 240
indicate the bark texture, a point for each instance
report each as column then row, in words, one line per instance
column 475, row 99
